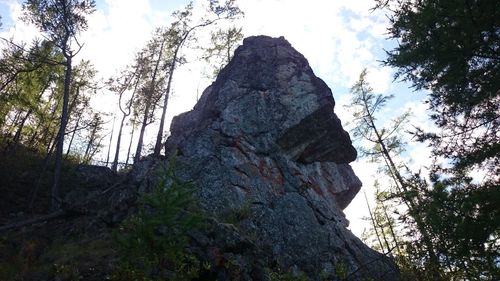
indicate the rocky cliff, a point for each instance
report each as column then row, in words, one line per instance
column 264, row 138
column 269, row 161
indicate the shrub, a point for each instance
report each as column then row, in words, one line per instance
column 153, row 242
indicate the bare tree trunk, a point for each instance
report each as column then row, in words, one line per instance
column 17, row 136
column 91, row 142
column 73, row 136
column 45, row 166
column 403, row 185
column 150, row 95
column 114, row 167
column 130, row 144
column 55, row 200
column 159, row 136
column 372, row 218
column 391, row 229
column 110, row 140
column 138, row 151
column 48, row 134
column 11, row 126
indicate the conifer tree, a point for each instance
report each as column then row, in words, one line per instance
column 130, row 82
column 60, row 21
column 223, row 43
column 179, row 34
column 451, row 49
column 386, row 145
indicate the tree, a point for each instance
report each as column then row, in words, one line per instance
column 94, row 138
column 386, row 145
column 153, row 78
column 60, row 21
column 130, row 82
column 451, row 49
column 180, row 32
column 82, row 86
column 223, row 42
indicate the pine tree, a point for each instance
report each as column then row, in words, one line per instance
column 60, row 22
column 180, row 33
column 386, row 146
column 451, row 49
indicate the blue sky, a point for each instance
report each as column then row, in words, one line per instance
column 339, row 38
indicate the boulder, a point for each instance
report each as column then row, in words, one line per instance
column 264, row 143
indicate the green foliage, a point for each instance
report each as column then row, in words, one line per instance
column 451, row 48
column 279, row 275
column 404, row 187
column 366, row 106
column 341, row 270
column 66, row 272
column 60, row 20
column 235, row 216
column 153, row 242
column 446, row 226
column 221, row 48
column 20, row 173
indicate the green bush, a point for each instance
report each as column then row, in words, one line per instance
column 280, row 275
column 153, row 242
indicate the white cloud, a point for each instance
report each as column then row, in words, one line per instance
column 116, row 34
column 19, row 31
column 324, row 33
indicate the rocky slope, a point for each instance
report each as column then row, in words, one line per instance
column 269, row 160
column 264, row 137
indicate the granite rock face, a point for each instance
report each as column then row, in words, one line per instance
column 264, row 142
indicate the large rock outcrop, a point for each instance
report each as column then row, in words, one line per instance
column 264, row 138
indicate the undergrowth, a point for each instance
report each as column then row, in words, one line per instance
column 152, row 243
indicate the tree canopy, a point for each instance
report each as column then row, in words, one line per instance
column 452, row 49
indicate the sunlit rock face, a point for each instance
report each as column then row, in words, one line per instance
column 264, row 138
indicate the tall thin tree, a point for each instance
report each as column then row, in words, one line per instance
column 127, row 110
column 178, row 34
column 60, row 21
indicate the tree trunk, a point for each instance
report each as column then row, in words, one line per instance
column 48, row 134
column 159, row 136
column 12, row 125
column 114, row 167
column 110, row 140
column 400, row 181
column 17, row 136
column 91, row 141
column 73, row 136
column 391, row 229
column 55, row 201
column 150, row 94
column 130, row 144
column 372, row 218
column 138, row 151
column 45, row 166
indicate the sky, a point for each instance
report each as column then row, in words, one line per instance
column 339, row 38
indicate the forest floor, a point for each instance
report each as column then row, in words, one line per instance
column 59, row 248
